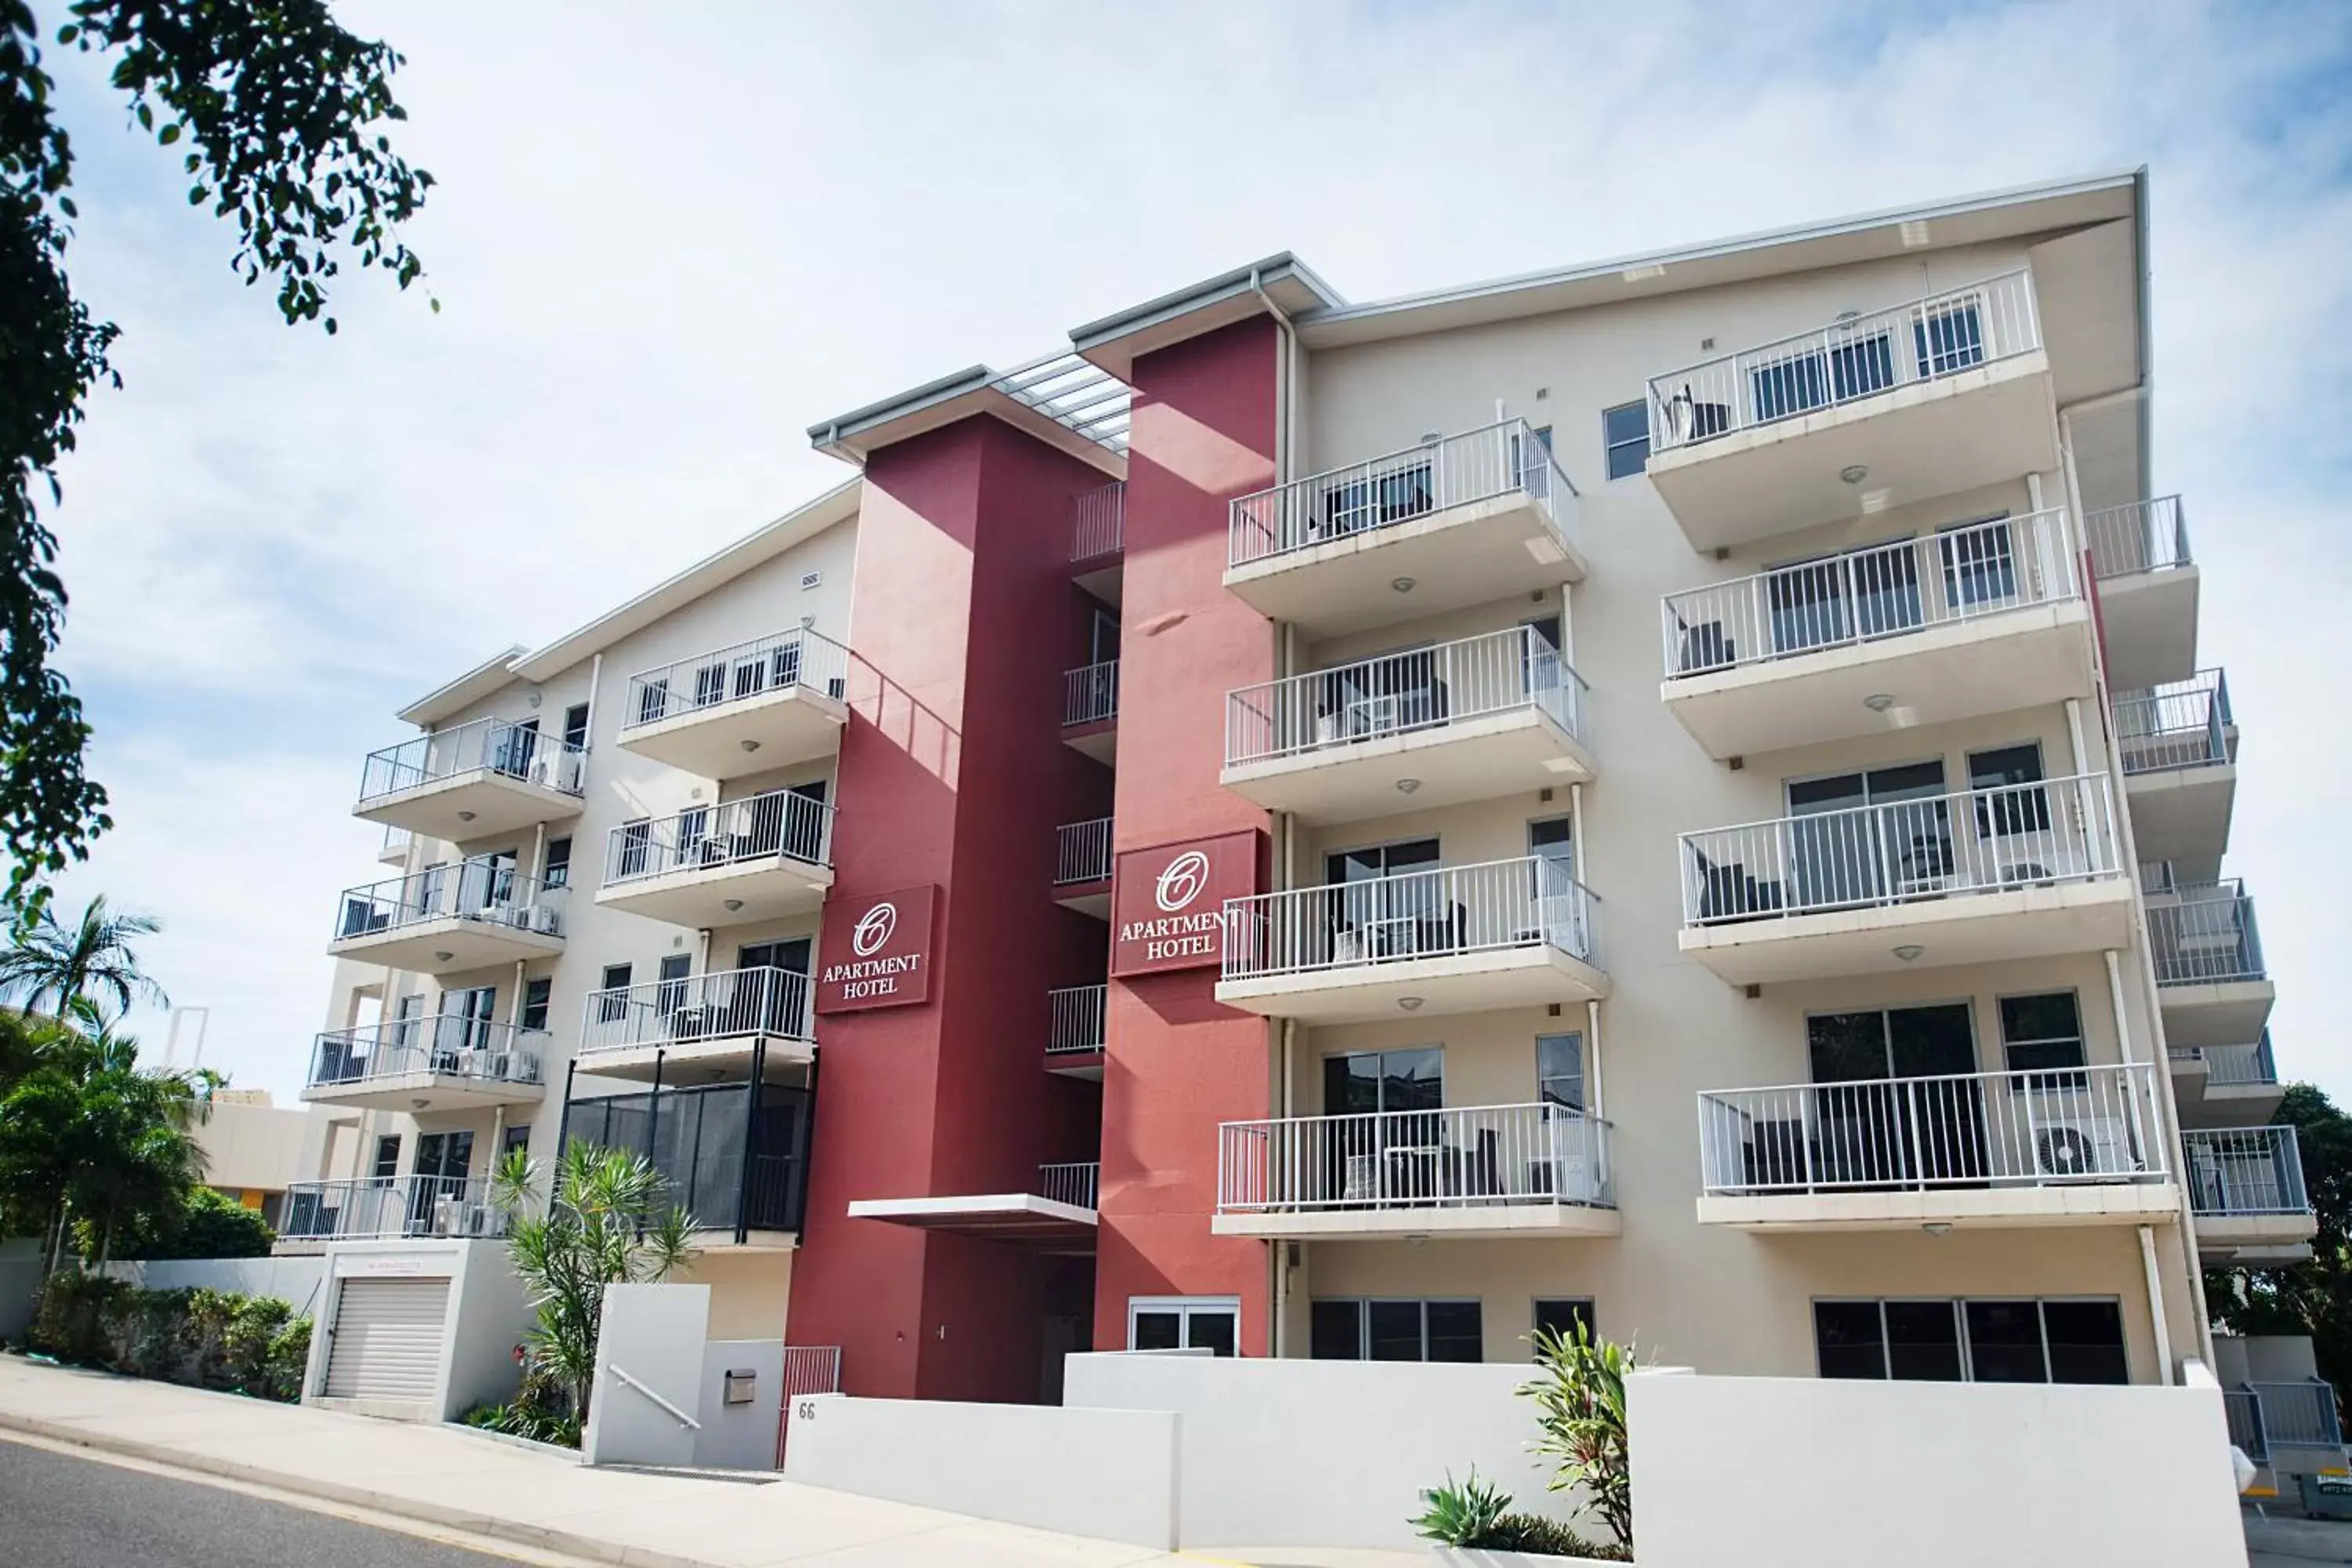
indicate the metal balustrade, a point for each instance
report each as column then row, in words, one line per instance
column 2205, row 935
column 390, row 1207
column 1891, row 590
column 1855, row 357
column 487, row 887
column 764, row 1000
column 780, row 661
column 395, row 844
column 1082, row 852
column 1969, row 841
column 2242, row 1407
column 2249, row 1170
column 1077, row 1018
column 780, row 822
column 1100, row 526
column 730, row 1154
column 1443, row 912
column 1071, row 1182
column 1506, row 459
column 2298, row 1415
column 499, row 746
column 2239, row 1065
column 2138, row 536
column 1455, row 1157
column 2180, row 724
column 2040, row 1128
column 1420, row 689
column 446, row 1044
column 1090, row 693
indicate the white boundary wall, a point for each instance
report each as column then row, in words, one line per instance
column 293, row 1279
column 1815, row 1473
column 1110, row 1474
column 655, row 1334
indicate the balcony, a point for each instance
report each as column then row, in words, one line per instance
column 724, row 1024
column 1464, row 1170
column 446, row 1062
column 750, row 708
column 2080, row 1146
column 1497, row 715
column 477, row 781
column 1075, row 1037
column 734, row 1154
column 2265, row 1416
column 2227, row 1086
column 1968, row 621
column 1461, row 520
column 2180, row 748
column 394, row 850
column 1098, row 540
column 1090, row 709
column 2245, row 1188
column 1081, row 867
column 756, row 858
column 444, row 919
column 1928, row 398
column 1057, row 1218
column 1459, row 939
column 386, row 1207
column 1972, row 877
column 2147, row 590
column 2208, row 953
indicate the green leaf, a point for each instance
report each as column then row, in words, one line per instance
column 66, row 205
column 146, row 117
column 168, row 134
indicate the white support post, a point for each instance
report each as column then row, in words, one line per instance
column 2155, row 1305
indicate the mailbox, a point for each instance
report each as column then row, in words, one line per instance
column 740, row 1382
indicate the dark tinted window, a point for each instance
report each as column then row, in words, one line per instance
column 1454, row 1332
column 1625, row 434
column 2005, row 1341
column 1211, row 1331
column 1334, row 1330
column 1393, row 1329
column 1158, row 1330
column 1847, row 1339
column 559, row 863
column 575, row 724
column 534, row 1003
column 2086, row 1342
column 1560, row 1316
column 1923, row 1341
column 2041, row 1032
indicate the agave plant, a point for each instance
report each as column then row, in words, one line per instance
column 1580, row 1399
column 1461, row 1515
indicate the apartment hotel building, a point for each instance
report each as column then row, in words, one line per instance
column 1683, row 793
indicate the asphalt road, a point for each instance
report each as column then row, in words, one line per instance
column 57, row 1511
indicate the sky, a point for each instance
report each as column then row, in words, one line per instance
column 663, row 252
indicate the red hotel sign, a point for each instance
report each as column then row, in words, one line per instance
column 1167, row 904
column 875, row 952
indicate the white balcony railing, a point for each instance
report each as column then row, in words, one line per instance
column 2205, row 936
column 1082, row 852
column 1090, row 693
column 1857, row 357
column 487, row 888
column 1507, row 458
column 1458, row 1157
column 2138, row 536
column 1970, row 841
column 1448, row 912
column 1866, row 596
column 1100, row 526
column 1070, row 1182
column 774, row 663
column 1078, row 1019
column 2240, row 1065
column 2180, row 724
column 446, row 1044
column 390, row 1207
column 497, row 746
column 1404, row 693
column 721, row 1003
column 1965, row 1130
column 781, row 822
column 2248, row 1170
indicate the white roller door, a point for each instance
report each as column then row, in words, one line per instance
column 387, row 1344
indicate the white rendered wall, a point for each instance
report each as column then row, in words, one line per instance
column 655, row 1334
column 294, row 1280
column 740, row 1436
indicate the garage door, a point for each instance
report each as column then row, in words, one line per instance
column 387, row 1342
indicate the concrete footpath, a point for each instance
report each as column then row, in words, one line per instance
column 499, row 1492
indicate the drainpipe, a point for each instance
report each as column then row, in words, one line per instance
column 1596, row 1100
column 2155, row 1305
column 563, row 1130
column 596, row 678
column 1576, row 828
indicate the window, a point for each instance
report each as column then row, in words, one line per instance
column 634, row 849
column 1102, row 638
column 1560, row 1070
column 1976, row 1342
column 1625, row 438
column 575, row 724
column 559, row 863
column 1551, row 841
column 514, row 1138
column 1350, row 1330
column 653, row 699
column 1184, row 1323
column 1980, row 563
column 1365, row 1081
column 671, row 994
column 613, row 1000
column 534, row 1003
column 1561, row 1315
column 2042, row 1034
column 1379, row 909
column 387, row 1156
column 2014, row 810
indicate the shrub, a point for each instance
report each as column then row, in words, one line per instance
column 213, row 1339
column 1546, row 1537
column 289, row 1358
column 1461, row 1515
column 1579, row 1397
column 70, row 1316
column 254, row 1325
column 539, row 1423
column 208, row 1225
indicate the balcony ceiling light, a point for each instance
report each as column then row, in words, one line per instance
column 1854, row 473
column 734, row 904
column 1938, row 1228
column 748, row 745
column 465, row 816
column 1401, row 585
column 443, row 957
column 1909, row 950
column 1878, row 702
column 1410, row 1003
column 1406, row 786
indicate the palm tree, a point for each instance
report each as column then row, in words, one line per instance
column 91, row 964
column 131, row 1155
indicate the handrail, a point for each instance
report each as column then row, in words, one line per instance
column 485, row 887
column 681, row 1417
column 2178, row 724
column 1447, row 910
column 447, row 1044
column 1082, row 852
column 1076, row 1014
column 501, row 746
column 1439, row 1157
column 1071, row 1182
column 373, row 1206
column 1099, row 524
column 777, row 822
column 716, row 1004
column 1090, row 693
column 739, row 672
column 2136, row 537
column 2204, row 935
column 2245, row 1171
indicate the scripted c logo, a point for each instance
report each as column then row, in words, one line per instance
column 874, row 929
column 1181, row 882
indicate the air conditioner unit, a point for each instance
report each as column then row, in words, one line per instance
column 537, row 918
column 2083, row 1146
column 546, row 771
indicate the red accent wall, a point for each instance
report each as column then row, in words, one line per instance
column 1179, row 1064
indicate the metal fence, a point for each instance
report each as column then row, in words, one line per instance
column 1100, row 527
column 447, row 1044
column 808, row 1369
column 2138, row 536
column 1077, row 1018
column 515, row 751
column 2180, row 724
column 731, row 1162
column 779, row 822
column 774, row 663
column 1090, row 693
column 2245, row 1171
column 487, row 887
column 1969, row 841
column 2294, row 1414
column 1529, row 902
column 2205, row 935
column 2244, row 1409
column 1857, row 356
column 2233, row 1065
column 1454, row 1157
column 1506, row 459
column 1420, row 689
column 1072, row 1182
column 390, row 1207
column 1864, row 596
column 719, row 1005
column 1082, row 852
column 2041, row 1128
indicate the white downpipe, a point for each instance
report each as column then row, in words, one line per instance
column 1600, row 1102
column 538, row 853
column 596, row 678
column 1576, row 826
column 2155, row 1305
column 2115, row 1000
column 2075, row 734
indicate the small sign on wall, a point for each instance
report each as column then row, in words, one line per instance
column 1168, row 903
column 876, row 952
